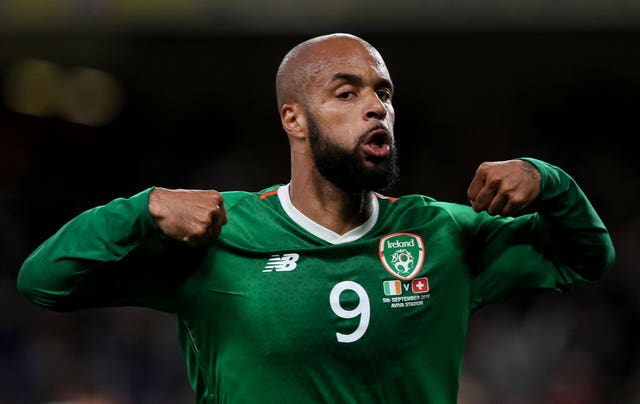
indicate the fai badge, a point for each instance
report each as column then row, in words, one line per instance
column 402, row 254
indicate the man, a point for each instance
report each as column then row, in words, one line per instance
column 323, row 290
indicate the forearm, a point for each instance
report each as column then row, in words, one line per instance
column 56, row 272
column 572, row 228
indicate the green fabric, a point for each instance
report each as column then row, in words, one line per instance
column 261, row 313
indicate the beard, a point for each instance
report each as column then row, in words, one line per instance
column 345, row 168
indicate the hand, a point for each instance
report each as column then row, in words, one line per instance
column 504, row 187
column 195, row 217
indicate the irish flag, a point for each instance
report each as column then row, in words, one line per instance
column 392, row 288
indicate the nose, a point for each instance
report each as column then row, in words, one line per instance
column 376, row 109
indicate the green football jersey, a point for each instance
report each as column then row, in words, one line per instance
column 283, row 310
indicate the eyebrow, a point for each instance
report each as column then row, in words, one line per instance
column 359, row 81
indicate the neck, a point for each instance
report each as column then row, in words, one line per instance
column 330, row 206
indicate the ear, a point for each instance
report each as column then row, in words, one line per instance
column 293, row 120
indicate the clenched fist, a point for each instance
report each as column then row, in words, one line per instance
column 195, row 217
column 504, row 187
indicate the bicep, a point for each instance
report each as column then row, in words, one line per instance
column 148, row 276
column 512, row 260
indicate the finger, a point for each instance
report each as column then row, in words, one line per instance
column 509, row 209
column 213, row 232
column 498, row 204
column 514, row 205
column 483, row 199
column 222, row 213
column 209, row 237
column 192, row 241
column 477, row 183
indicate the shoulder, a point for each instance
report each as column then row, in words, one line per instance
column 416, row 208
column 421, row 202
column 235, row 198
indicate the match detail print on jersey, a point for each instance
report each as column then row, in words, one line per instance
column 402, row 254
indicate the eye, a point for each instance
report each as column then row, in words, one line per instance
column 384, row 95
column 346, row 95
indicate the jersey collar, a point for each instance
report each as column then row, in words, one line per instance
column 322, row 232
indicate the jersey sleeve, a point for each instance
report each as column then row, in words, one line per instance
column 111, row 255
column 562, row 244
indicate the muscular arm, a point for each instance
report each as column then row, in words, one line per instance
column 562, row 244
column 572, row 226
column 122, row 253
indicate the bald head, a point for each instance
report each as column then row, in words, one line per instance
column 302, row 64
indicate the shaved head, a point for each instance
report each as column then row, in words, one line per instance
column 302, row 64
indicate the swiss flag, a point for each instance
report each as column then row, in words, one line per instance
column 420, row 285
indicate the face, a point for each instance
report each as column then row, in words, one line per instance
column 345, row 167
column 350, row 118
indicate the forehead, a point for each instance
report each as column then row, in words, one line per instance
column 345, row 55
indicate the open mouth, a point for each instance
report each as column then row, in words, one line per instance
column 377, row 144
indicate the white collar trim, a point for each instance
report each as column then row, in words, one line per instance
column 322, row 232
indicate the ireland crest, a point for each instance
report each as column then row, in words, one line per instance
column 402, row 254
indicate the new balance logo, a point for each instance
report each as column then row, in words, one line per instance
column 283, row 262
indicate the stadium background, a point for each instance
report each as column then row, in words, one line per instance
column 101, row 99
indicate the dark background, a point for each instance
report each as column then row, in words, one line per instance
column 198, row 111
